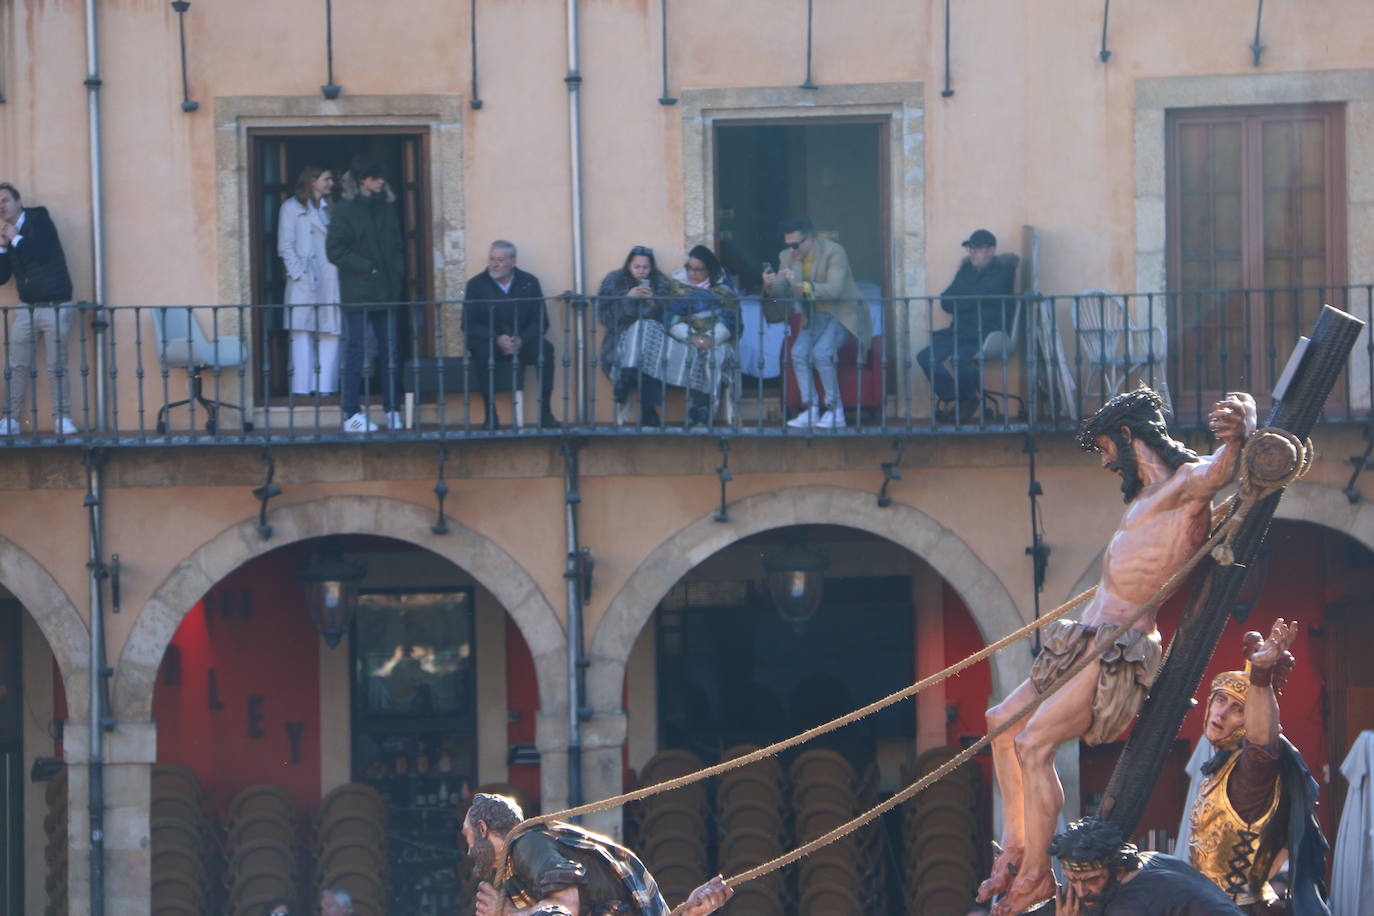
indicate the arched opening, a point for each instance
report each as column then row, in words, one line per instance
column 266, row 730
column 719, row 666
column 33, row 778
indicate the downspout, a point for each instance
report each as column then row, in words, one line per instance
column 96, row 668
column 97, row 209
column 573, row 576
column 98, row 673
column 574, row 84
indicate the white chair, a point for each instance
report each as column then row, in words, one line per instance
column 181, row 344
column 1113, row 348
column 1001, row 346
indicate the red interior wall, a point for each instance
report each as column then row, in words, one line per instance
column 522, row 702
column 272, row 652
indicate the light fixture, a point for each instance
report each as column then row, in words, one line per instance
column 796, row 579
column 331, row 590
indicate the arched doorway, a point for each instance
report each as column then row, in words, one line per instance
column 43, row 659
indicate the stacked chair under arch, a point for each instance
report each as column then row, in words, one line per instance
column 824, row 793
column 182, row 845
column 350, row 847
column 261, row 850
column 673, row 826
column 55, row 844
column 940, row 838
column 751, row 806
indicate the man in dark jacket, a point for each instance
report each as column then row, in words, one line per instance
column 31, row 252
column 979, row 301
column 364, row 242
column 504, row 322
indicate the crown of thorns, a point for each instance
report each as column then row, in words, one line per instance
column 1132, row 409
column 1090, row 844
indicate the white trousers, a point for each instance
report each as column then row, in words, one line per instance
column 54, row 325
column 307, row 350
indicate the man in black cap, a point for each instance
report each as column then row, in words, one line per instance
column 978, row 300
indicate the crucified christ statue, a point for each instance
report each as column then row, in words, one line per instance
column 1168, row 492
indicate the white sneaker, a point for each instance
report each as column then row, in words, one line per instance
column 394, row 420
column 65, row 426
column 831, row 419
column 808, row 417
column 9, row 427
column 359, row 423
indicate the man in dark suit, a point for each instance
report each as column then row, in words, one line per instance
column 31, row 252
column 504, row 322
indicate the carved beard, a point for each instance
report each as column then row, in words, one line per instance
column 1127, row 466
column 1096, row 902
column 482, row 854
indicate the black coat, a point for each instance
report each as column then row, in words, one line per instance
column 364, row 242
column 489, row 312
column 975, row 318
column 37, row 263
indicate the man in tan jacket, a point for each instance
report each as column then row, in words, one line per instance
column 815, row 273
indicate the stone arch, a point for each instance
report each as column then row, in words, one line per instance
column 1318, row 503
column 57, row 617
column 475, row 553
column 988, row 600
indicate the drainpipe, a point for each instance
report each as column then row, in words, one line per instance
column 97, row 209
column 574, row 84
column 98, row 673
column 573, row 577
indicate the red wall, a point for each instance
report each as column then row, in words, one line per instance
column 263, row 647
column 522, row 703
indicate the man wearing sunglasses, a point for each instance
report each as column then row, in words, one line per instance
column 814, row 272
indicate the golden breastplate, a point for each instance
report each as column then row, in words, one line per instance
column 1234, row 855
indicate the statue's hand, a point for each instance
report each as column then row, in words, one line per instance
column 1233, row 418
column 1271, row 655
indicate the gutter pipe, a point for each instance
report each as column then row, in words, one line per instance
column 93, row 84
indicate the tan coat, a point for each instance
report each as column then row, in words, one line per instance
column 832, row 288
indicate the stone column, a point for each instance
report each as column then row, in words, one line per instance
column 551, row 740
column 130, row 751
column 603, row 773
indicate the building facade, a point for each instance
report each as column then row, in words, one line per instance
column 1185, row 189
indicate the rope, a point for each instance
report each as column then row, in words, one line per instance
column 1260, row 476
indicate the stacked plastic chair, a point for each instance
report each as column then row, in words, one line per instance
column 829, row 881
column 180, row 831
column 872, row 843
column 672, row 826
column 940, row 839
column 350, row 847
column 55, row 846
column 261, row 849
column 750, row 809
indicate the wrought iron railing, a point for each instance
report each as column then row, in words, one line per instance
column 422, row 371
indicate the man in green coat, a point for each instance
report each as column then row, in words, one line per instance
column 364, row 242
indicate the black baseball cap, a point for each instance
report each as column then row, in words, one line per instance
column 981, row 238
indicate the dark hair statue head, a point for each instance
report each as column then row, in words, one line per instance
column 1142, row 412
column 500, row 812
column 1094, row 843
column 800, row 224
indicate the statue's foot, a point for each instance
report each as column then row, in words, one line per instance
column 1003, row 872
column 1025, row 892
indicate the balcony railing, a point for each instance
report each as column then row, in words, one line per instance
column 176, row 375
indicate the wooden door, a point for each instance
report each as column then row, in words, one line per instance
column 1256, row 238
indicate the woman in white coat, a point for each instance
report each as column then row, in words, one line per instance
column 312, row 284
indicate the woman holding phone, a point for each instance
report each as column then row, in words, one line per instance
column 632, row 293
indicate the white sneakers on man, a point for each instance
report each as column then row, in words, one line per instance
column 813, row 418
column 359, row 423
column 65, row 426
column 9, row 427
column 394, row 420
